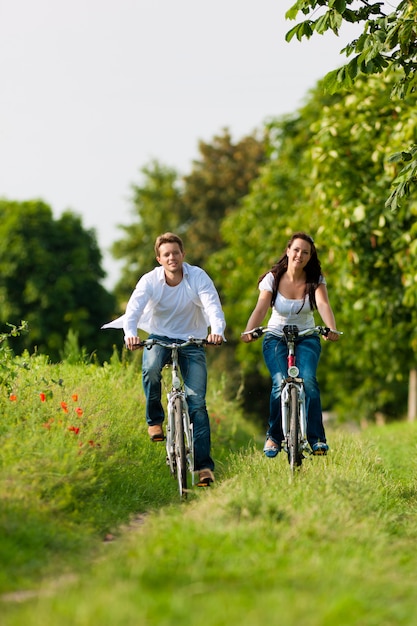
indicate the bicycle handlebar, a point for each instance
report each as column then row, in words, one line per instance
column 318, row 330
column 148, row 343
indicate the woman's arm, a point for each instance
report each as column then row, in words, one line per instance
column 325, row 311
column 258, row 314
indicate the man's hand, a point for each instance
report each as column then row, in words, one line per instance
column 133, row 343
column 217, row 340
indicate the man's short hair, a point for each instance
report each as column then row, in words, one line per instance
column 168, row 238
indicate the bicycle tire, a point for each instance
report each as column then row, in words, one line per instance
column 180, row 449
column 295, row 456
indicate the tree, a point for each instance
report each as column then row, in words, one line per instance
column 192, row 207
column 50, row 272
column 215, row 186
column 387, row 45
column 157, row 207
column 328, row 175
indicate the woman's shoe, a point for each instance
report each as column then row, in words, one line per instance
column 271, row 449
column 320, row 448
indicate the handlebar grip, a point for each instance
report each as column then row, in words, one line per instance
column 325, row 330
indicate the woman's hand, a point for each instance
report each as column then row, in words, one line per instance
column 246, row 337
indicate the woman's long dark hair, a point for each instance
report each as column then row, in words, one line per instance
column 312, row 270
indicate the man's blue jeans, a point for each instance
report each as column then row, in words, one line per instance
column 192, row 361
column 307, row 352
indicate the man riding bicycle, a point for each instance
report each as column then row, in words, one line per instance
column 173, row 302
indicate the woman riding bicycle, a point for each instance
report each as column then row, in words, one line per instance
column 293, row 288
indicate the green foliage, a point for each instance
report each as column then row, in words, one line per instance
column 76, row 461
column 157, row 207
column 387, row 41
column 328, row 174
column 406, row 178
column 215, row 187
column 8, row 365
column 256, row 539
column 386, row 46
column 72, row 352
column 164, row 203
column 50, row 273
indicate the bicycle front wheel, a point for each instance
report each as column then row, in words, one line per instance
column 180, row 449
column 295, row 456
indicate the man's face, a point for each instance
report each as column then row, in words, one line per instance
column 170, row 257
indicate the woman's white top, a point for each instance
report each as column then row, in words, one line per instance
column 286, row 311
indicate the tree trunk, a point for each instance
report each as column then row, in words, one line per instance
column 412, row 396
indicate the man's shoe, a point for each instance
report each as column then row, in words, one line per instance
column 156, row 433
column 320, row 448
column 271, row 449
column 205, row 478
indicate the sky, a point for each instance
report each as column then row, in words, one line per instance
column 93, row 90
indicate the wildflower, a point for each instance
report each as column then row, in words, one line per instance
column 74, row 397
column 42, row 397
column 13, row 397
column 79, row 411
column 74, row 429
column 64, row 407
column 47, row 425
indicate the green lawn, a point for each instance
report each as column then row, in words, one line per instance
column 93, row 533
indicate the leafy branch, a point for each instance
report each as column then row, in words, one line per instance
column 8, row 370
column 406, row 177
column 387, row 44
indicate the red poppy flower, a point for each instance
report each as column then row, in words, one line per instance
column 42, row 397
column 79, row 411
column 13, row 397
column 74, row 429
column 74, row 397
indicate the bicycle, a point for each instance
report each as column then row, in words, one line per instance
column 293, row 401
column 179, row 430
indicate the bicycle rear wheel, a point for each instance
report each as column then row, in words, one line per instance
column 180, row 449
column 295, row 456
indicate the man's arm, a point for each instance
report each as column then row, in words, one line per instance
column 212, row 307
column 134, row 309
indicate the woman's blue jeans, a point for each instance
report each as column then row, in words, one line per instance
column 307, row 352
column 193, row 366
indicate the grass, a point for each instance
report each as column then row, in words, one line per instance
column 335, row 544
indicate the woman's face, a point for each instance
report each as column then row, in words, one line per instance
column 299, row 253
